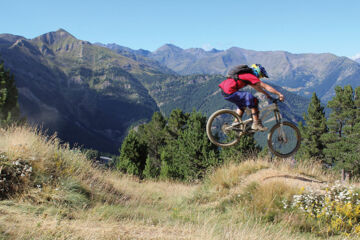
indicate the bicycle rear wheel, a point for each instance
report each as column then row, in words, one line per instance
column 284, row 139
column 220, row 129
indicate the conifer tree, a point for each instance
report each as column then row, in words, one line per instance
column 153, row 134
column 9, row 107
column 133, row 155
column 342, row 139
column 315, row 126
column 176, row 123
column 191, row 154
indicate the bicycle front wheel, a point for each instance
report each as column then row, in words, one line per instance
column 220, row 128
column 284, row 139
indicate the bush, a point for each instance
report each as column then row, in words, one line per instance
column 337, row 211
column 14, row 176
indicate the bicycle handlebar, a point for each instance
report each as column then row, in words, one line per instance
column 274, row 100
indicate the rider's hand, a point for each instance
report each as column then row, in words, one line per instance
column 281, row 97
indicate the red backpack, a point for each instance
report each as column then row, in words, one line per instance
column 233, row 83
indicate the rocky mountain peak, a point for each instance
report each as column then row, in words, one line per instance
column 168, row 47
column 52, row 37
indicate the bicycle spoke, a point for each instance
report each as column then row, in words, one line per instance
column 284, row 139
column 222, row 128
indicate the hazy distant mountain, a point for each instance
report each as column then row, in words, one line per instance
column 357, row 60
column 87, row 93
column 141, row 56
column 299, row 73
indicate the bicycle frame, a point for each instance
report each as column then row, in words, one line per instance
column 264, row 112
column 267, row 110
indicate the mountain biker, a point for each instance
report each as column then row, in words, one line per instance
column 244, row 99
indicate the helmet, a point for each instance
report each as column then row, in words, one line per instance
column 259, row 71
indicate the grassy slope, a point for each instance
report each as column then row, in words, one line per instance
column 66, row 197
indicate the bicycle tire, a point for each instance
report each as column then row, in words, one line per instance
column 212, row 124
column 286, row 130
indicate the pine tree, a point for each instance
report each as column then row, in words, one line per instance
column 353, row 157
column 133, row 155
column 9, row 107
column 154, row 135
column 176, row 122
column 357, row 105
column 343, row 138
column 315, row 126
column 191, row 154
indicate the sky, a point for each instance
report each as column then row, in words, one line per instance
column 296, row 26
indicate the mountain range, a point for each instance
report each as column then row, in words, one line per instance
column 302, row 74
column 91, row 94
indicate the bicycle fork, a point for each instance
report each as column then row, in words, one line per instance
column 281, row 133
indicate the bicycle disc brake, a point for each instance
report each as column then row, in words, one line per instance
column 226, row 128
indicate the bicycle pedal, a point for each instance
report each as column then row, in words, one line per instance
column 240, row 134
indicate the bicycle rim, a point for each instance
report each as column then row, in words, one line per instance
column 284, row 139
column 219, row 128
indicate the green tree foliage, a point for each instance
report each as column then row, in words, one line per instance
column 176, row 148
column 342, row 141
column 92, row 154
column 153, row 134
column 133, row 155
column 188, row 156
column 245, row 148
column 176, row 123
column 315, row 126
column 9, row 107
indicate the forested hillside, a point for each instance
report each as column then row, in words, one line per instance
column 86, row 93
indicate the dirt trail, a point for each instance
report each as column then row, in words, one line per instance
column 296, row 180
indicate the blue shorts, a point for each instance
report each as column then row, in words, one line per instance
column 243, row 99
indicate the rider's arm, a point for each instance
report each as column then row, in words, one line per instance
column 260, row 86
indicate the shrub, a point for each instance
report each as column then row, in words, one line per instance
column 14, row 176
column 337, row 211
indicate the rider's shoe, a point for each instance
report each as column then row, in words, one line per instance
column 257, row 126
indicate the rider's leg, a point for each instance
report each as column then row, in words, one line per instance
column 255, row 113
column 257, row 124
column 240, row 112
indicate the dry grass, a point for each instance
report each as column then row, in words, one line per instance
column 79, row 201
column 303, row 173
column 17, row 224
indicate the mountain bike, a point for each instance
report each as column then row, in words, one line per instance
column 225, row 128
